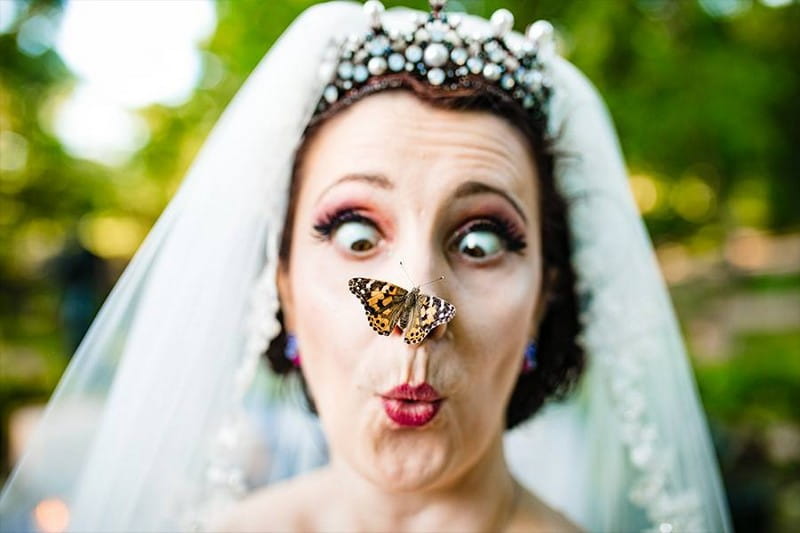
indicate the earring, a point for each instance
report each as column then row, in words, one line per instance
column 291, row 351
column 529, row 358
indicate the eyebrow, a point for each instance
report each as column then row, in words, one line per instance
column 376, row 180
column 471, row 188
column 464, row 190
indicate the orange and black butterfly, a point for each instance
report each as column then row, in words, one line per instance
column 388, row 305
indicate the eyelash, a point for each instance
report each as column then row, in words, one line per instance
column 329, row 222
column 501, row 226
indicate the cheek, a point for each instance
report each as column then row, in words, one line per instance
column 496, row 322
column 335, row 340
column 319, row 311
column 498, row 304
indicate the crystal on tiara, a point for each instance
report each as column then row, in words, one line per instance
column 437, row 51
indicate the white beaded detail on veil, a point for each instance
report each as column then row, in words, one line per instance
column 637, row 401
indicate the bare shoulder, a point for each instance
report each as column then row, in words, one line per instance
column 278, row 507
column 535, row 515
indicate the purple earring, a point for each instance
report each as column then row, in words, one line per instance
column 529, row 359
column 291, row 351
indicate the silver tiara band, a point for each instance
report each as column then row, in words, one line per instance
column 440, row 53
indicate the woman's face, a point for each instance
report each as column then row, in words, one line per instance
column 448, row 193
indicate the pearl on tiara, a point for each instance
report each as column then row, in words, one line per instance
column 436, row 51
column 541, row 34
column 502, row 21
column 374, row 9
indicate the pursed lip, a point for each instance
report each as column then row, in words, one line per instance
column 414, row 393
column 412, row 405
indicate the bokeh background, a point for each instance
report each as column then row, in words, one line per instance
column 103, row 105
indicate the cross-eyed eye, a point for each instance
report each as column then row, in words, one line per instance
column 350, row 231
column 482, row 240
column 357, row 237
column 480, row 244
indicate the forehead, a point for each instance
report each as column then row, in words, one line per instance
column 420, row 147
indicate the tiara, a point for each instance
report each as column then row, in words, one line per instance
column 437, row 50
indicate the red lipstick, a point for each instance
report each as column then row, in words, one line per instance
column 412, row 406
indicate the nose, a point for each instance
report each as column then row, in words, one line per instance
column 420, row 319
column 424, row 263
column 423, row 267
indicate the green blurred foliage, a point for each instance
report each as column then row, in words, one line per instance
column 763, row 388
column 706, row 108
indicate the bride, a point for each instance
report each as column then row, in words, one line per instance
column 424, row 221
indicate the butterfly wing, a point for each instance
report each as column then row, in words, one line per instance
column 382, row 301
column 428, row 313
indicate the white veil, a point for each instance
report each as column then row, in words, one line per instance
column 149, row 427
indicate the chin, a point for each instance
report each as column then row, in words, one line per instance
column 401, row 458
column 410, row 468
column 408, row 459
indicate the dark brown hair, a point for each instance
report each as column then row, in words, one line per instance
column 560, row 359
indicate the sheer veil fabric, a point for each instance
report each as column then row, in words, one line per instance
column 149, row 427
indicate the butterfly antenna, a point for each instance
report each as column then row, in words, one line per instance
column 406, row 272
column 440, row 278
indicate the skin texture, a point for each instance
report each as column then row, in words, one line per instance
column 422, row 176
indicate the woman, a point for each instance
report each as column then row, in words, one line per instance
column 383, row 170
column 413, row 428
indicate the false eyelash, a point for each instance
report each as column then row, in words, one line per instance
column 502, row 227
column 329, row 222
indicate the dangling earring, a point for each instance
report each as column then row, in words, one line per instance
column 291, row 351
column 529, row 358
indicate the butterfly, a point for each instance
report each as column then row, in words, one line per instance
column 388, row 305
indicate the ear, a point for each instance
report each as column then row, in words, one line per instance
column 549, row 279
column 285, row 296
